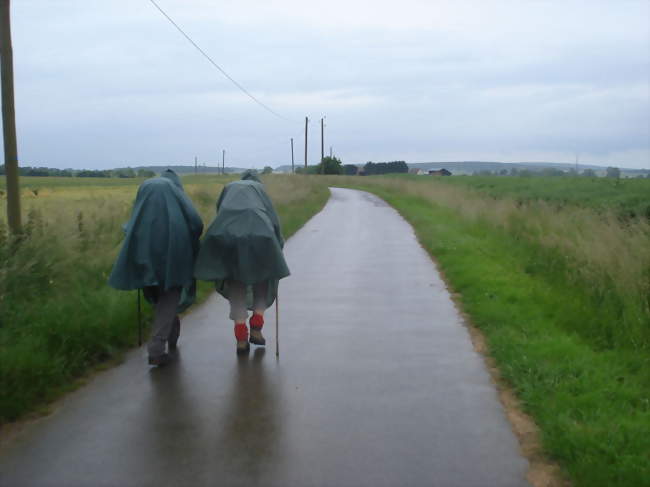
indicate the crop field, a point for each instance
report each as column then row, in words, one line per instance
column 627, row 197
column 58, row 317
column 558, row 281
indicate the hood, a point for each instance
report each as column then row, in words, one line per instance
column 173, row 177
column 251, row 175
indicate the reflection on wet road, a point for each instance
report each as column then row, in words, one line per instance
column 377, row 384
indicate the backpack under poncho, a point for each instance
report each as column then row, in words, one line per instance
column 244, row 242
column 162, row 240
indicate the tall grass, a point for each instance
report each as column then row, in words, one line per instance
column 58, row 317
column 625, row 197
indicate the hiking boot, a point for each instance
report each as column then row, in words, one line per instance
column 172, row 341
column 160, row 360
column 241, row 334
column 257, row 322
column 256, row 337
column 243, row 347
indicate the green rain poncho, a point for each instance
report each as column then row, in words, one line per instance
column 244, row 242
column 162, row 240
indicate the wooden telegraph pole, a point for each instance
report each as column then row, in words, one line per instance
column 9, row 119
column 196, row 165
column 306, row 122
column 292, row 165
column 322, row 146
column 223, row 162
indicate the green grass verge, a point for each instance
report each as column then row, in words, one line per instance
column 58, row 317
column 592, row 404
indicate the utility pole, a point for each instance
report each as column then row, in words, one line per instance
column 196, row 165
column 322, row 139
column 306, row 123
column 322, row 145
column 9, row 119
column 292, row 165
column 223, row 162
column 330, row 151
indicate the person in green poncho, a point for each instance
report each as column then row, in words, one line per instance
column 241, row 253
column 158, row 255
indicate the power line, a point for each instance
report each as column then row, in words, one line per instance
column 216, row 65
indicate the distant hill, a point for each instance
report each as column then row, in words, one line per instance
column 189, row 169
column 456, row 167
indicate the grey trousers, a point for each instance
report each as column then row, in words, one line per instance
column 237, row 298
column 165, row 306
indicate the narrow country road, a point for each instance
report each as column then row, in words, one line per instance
column 377, row 384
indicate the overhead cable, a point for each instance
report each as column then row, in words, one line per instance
column 252, row 97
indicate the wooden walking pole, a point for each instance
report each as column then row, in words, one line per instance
column 9, row 119
column 277, row 321
column 306, row 122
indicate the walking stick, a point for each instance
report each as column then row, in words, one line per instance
column 139, row 322
column 277, row 326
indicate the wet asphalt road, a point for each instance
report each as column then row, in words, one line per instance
column 377, row 385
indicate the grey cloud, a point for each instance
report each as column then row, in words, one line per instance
column 103, row 83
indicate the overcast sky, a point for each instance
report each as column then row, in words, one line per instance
column 101, row 84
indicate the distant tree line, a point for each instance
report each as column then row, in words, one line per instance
column 333, row 165
column 371, row 168
column 329, row 165
column 83, row 173
column 41, row 171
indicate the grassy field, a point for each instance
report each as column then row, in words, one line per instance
column 58, row 317
column 562, row 294
column 626, row 197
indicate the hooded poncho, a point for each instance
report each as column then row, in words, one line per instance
column 162, row 240
column 244, row 242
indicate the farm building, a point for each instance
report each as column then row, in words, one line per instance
column 416, row 171
column 439, row 172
